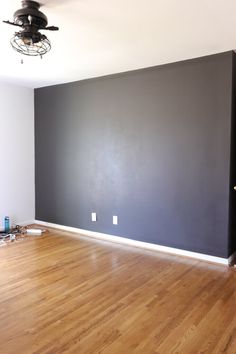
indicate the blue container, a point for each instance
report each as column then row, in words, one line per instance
column 7, row 224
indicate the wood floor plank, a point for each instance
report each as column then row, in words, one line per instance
column 65, row 294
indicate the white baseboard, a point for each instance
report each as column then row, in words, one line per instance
column 140, row 244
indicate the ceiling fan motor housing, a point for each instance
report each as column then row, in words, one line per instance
column 30, row 10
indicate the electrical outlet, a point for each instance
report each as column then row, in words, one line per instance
column 115, row 220
column 93, row 216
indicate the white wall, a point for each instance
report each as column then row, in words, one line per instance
column 17, row 186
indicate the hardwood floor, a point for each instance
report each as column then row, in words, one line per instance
column 64, row 294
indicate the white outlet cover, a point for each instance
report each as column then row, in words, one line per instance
column 94, row 216
column 115, row 220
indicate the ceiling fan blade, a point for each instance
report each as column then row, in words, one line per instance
column 12, row 23
column 50, row 28
column 55, row 3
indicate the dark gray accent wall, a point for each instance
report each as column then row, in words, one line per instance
column 232, row 210
column 151, row 146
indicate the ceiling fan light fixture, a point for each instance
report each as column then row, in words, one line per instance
column 26, row 46
column 29, row 40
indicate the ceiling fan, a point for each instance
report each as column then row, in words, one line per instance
column 29, row 40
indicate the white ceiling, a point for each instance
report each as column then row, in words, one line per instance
column 100, row 37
